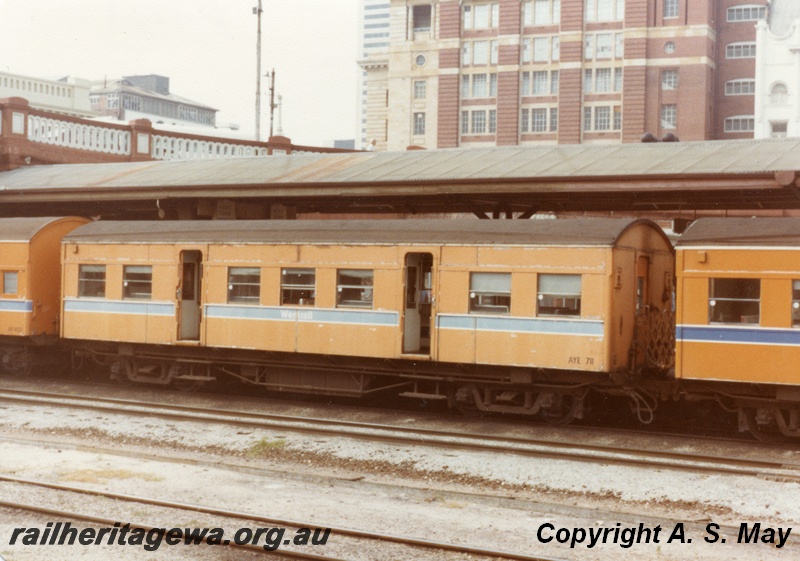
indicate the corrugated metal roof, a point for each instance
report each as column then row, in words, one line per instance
column 593, row 231
column 533, row 164
column 742, row 232
column 22, row 229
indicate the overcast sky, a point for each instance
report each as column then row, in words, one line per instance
column 208, row 50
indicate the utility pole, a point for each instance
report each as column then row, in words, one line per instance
column 271, row 100
column 257, row 11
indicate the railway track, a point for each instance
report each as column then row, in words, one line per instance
column 356, row 537
column 416, row 436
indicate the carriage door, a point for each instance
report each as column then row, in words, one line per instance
column 189, row 291
column 418, row 300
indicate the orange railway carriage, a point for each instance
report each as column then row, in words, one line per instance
column 440, row 305
column 29, row 284
column 738, row 317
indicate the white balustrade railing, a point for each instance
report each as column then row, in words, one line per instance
column 79, row 136
column 173, row 148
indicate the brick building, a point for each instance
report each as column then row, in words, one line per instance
column 474, row 73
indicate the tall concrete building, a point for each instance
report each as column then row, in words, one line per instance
column 471, row 73
column 777, row 83
column 373, row 58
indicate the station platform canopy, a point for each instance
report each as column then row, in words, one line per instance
column 504, row 181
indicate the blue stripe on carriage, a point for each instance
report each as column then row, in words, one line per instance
column 521, row 325
column 303, row 315
column 121, row 307
column 745, row 335
column 16, row 305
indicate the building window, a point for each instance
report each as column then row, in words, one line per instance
column 539, row 83
column 541, row 12
column 536, row 120
column 617, row 118
column 796, row 303
column 669, row 80
column 478, row 85
column 669, row 116
column 602, row 118
column 298, row 287
column 741, row 50
column 670, row 9
column 734, row 301
column 420, row 89
column 541, row 49
column 602, row 80
column 539, row 120
column 480, row 16
column 137, row 282
column 740, row 123
column 244, row 285
column 419, row 124
column 604, row 10
column 490, row 293
column 539, row 79
column 779, row 129
column 603, row 46
column 559, row 295
column 478, row 122
column 779, row 94
column 750, row 12
column 421, row 15
column 112, row 101
column 10, row 282
column 354, row 288
column 740, row 87
column 92, row 281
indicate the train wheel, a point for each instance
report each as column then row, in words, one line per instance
column 121, row 371
column 17, row 361
column 760, row 424
column 465, row 402
column 182, row 384
column 565, row 409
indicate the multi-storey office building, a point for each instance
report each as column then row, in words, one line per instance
column 777, row 83
column 373, row 57
column 510, row 72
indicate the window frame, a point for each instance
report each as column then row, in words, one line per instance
column 714, row 299
column 6, row 276
column 366, row 292
column 671, row 9
column 551, row 297
column 477, row 294
column 237, row 292
column 85, row 281
column 130, row 282
column 296, row 287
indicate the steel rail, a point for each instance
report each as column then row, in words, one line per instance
column 636, row 457
column 344, row 531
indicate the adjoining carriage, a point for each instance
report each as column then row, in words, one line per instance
column 738, row 316
column 30, row 280
column 500, row 315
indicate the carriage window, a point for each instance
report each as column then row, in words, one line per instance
column 559, row 295
column 10, row 282
column 734, row 301
column 298, row 287
column 137, row 282
column 244, row 285
column 92, row 281
column 490, row 293
column 354, row 288
column 796, row 303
